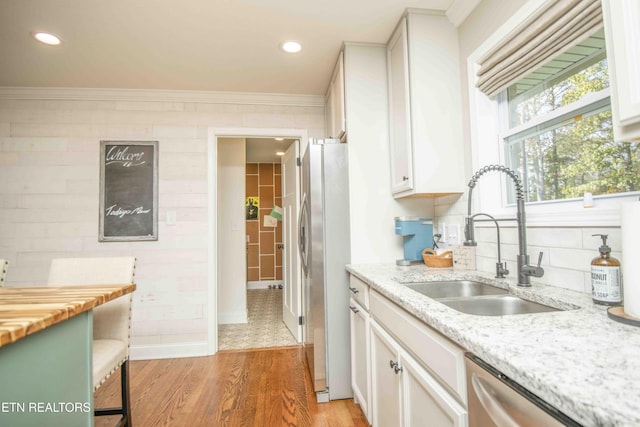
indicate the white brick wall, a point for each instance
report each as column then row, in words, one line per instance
column 49, row 171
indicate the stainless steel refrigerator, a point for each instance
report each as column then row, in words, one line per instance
column 325, row 251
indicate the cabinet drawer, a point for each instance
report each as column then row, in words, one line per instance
column 442, row 357
column 359, row 291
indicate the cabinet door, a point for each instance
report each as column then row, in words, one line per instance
column 399, row 111
column 425, row 402
column 337, row 89
column 385, row 381
column 622, row 35
column 328, row 113
column 360, row 368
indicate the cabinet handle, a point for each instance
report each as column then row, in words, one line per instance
column 396, row 366
column 354, row 309
column 354, row 290
column 405, row 178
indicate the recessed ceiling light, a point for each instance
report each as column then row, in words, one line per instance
column 279, row 139
column 291, row 46
column 279, row 153
column 47, row 38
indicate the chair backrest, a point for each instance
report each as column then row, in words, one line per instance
column 92, row 271
column 4, row 265
column 113, row 319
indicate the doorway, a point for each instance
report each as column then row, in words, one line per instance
column 262, row 300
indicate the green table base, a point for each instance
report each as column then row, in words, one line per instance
column 46, row 377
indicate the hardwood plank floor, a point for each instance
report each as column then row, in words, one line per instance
column 253, row 388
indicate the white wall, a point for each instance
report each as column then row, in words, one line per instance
column 232, row 258
column 49, row 170
column 568, row 250
column 372, row 207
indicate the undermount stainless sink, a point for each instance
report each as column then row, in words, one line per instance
column 496, row 305
column 478, row 298
column 455, row 289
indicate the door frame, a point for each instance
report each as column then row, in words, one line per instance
column 213, row 134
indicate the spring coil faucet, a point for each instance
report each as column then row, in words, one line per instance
column 525, row 271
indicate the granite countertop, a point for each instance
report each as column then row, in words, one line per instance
column 578, row 360
column 26, row 310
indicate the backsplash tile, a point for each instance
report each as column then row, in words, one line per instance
column 567, row 251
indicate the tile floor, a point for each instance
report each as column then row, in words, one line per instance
column 265, row 327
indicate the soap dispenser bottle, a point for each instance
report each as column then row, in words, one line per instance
column 605, row 276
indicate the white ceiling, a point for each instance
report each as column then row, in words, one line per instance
column 202, row 45
column 263, row 150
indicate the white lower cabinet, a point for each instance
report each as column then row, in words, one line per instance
column 403, row 392
column 403, row 372
column 425, row 401
column 360, row 362
column 385, row 381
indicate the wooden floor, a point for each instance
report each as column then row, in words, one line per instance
column 253, row 388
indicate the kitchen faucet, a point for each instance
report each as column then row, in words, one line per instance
column 525, row 271
column 501, row 267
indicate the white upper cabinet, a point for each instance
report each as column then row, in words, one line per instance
column 399, row 111
column 425, row 107
column 335, row 105
column 622, row 34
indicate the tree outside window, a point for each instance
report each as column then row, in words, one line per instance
column 559, row 135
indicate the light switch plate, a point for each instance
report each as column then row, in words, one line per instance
column 453, row 234
column 171, row 217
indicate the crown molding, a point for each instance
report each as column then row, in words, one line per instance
column 140, row 95
column 459, row 11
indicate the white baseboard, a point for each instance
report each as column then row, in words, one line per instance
column 168, row 351
column 263, row 284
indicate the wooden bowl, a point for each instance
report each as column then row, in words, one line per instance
column 431, row 259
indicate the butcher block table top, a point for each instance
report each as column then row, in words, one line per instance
column 29, row 309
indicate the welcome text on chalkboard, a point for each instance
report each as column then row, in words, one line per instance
column 128, row 190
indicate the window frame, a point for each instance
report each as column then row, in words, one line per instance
column 487, row 147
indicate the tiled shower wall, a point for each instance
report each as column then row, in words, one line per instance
column 264, row 253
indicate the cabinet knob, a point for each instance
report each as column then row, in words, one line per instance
column 354, row 309
column 396, row 366
column 405, row 178
column 354, row 290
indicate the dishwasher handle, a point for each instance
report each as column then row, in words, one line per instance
column 493, row 407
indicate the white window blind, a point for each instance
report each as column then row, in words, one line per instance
column 557, row 25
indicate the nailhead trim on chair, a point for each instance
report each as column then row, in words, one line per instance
column 4, row 264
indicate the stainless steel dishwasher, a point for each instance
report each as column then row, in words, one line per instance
column 496, row 400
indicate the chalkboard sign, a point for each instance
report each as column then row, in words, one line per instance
column 128, row 190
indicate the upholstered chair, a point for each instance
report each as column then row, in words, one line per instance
column 111, row 321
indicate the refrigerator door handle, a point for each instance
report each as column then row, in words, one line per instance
column 302, row 233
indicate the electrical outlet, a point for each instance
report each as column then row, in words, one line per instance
column 442, row 230
column 453, row 234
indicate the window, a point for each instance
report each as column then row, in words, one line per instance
column 557, row 132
